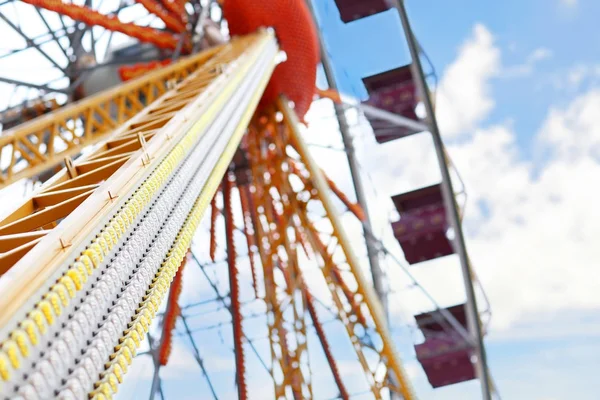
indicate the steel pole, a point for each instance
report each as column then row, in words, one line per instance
column 361, row 198
column 473, row 321
column 156, row 384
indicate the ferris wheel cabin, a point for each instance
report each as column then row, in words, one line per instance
column 445, row 355
column 351, row 10
column 421, row 230
column 393, row 91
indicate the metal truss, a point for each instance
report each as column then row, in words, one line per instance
column 45, row 142
column 88, row 259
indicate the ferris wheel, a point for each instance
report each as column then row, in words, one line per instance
column 90, row 88
column 58, row 52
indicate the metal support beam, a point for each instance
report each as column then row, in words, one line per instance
column 45, row 88
column 392, row 118
column 221, row 299
column 32, row 43
column 39, row 40
column 361, row 198
column 473, row 321
column 51, row 32
column 199, row 359
column 156, row 382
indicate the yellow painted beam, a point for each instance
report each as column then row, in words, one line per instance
column 32, row 272
column 37, row 143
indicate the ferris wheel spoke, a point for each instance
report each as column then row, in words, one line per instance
column 31, row 43
column 45, row 88
column 77, row 42
column 51, row 31
column 41, row 40
column 179, row 47
column 122, row 6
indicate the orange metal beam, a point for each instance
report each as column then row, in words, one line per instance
column 171, row 21
column 177, row 7
column 92, row 18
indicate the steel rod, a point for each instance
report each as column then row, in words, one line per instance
column 361, row 198
column 156, row 385
column 198, row 358
column 234, row 290
column 396, row 372
column 39, row 40
column 50, row 31
column 32, row 43
column 473, row 321
column 222, row 300
column 32, row 85
column 391, row 117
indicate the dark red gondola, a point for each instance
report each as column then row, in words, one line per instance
column 421, row 230
column 351, row 10
column 392, row 91
column 445, row 355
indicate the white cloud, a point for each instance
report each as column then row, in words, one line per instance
column 573, row 78
column 531, row 223
column 527, row 67
column 463, row 98
column 574, row 133
column 535, row 250
column 531, row 226
column 541, row 53
column 577, row 74
column 569, row 3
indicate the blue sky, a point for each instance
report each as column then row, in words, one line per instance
column 536, row 140
column 520, row 27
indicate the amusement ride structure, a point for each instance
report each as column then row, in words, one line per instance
column 199, row 111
